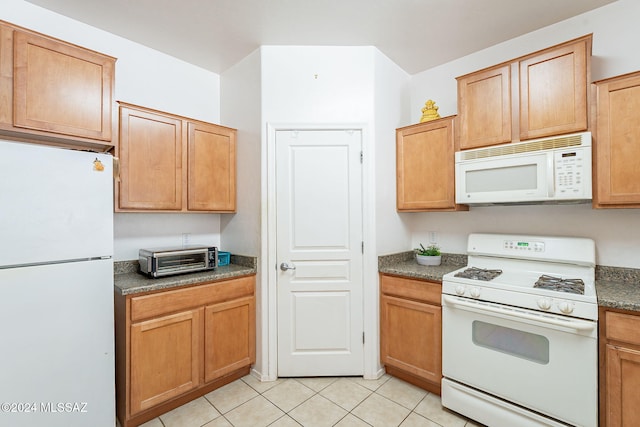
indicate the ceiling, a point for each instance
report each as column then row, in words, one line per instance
column 415, row 34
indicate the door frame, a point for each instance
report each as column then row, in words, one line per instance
column 268, row 310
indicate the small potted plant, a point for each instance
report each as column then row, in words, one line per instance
column 428, row 256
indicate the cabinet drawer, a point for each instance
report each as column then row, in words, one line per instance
column 623, row 327
column 421, row 290
column 147, row 306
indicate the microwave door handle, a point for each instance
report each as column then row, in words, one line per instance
column 551, row 177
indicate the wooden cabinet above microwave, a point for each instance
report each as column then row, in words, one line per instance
column 54, row 92
column 542, row 94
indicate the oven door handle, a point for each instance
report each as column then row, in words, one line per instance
column 576, row 324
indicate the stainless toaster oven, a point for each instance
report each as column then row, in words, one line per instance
column 179, row 260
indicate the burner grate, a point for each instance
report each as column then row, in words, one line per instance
column 572, row 286
column 476, row 273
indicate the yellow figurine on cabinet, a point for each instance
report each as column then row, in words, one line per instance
column 429, row 112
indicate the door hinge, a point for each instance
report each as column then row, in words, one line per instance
column 361, row 156
column 362, row 247
column 363, row 338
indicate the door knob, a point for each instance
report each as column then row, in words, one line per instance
column 284, row 267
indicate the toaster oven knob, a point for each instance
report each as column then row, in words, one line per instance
column 544, row 303
column 460, row 290
column 565, row 307
column 475, row 292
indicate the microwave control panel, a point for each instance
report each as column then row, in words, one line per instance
column 569, row 171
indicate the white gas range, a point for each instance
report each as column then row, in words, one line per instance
column 519, row 332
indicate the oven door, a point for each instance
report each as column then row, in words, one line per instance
column 543, row 362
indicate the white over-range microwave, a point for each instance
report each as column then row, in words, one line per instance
column 545, row 170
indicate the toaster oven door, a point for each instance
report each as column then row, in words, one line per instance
column 168, row 263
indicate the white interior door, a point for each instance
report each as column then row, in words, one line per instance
column 319, row 236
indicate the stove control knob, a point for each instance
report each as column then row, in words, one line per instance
column 460, row 290
column 475, row 292
column 566, row 307
column 544, row 303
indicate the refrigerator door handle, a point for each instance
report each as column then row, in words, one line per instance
column 59, row 261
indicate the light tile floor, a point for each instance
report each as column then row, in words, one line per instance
column 314, row 402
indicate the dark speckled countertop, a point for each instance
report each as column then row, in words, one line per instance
column 405, row 264
column 616, row 287
column 127, row 281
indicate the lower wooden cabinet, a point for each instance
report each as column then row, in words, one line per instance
column 229, row 336
column 619, row 368
column 411, row 330
column 174, row 346
column 165, row 360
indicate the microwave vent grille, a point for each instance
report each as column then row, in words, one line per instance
column 524, row 147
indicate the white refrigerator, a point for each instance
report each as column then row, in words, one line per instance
column 56, row 287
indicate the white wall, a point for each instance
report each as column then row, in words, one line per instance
column 317, row 84
column 616, row 232
column 241, row 233
column 391, row 103
column 241, row 109
column 144, row 77
column 391, row 109
column 133, row 231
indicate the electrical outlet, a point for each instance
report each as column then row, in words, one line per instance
column 186, row 237
column 433, row 237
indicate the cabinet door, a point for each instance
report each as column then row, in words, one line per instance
column 61, row 88
column 623, row 394
column 6, row 75
column 617, row 168
column 411, row 337
column 165, row 358
column 484, row 107
column 150, row 151
column 212, row 168
column 230, row 337
column 425, row 166
column 553, row 91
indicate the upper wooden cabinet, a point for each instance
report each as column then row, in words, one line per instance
column 150, row 151
column 554, row 87
column 171, row 163
column 616, row 150
column 484, row 106
column 211, row 154
column 54, row 92
column 542, row 94
column 425, row 173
